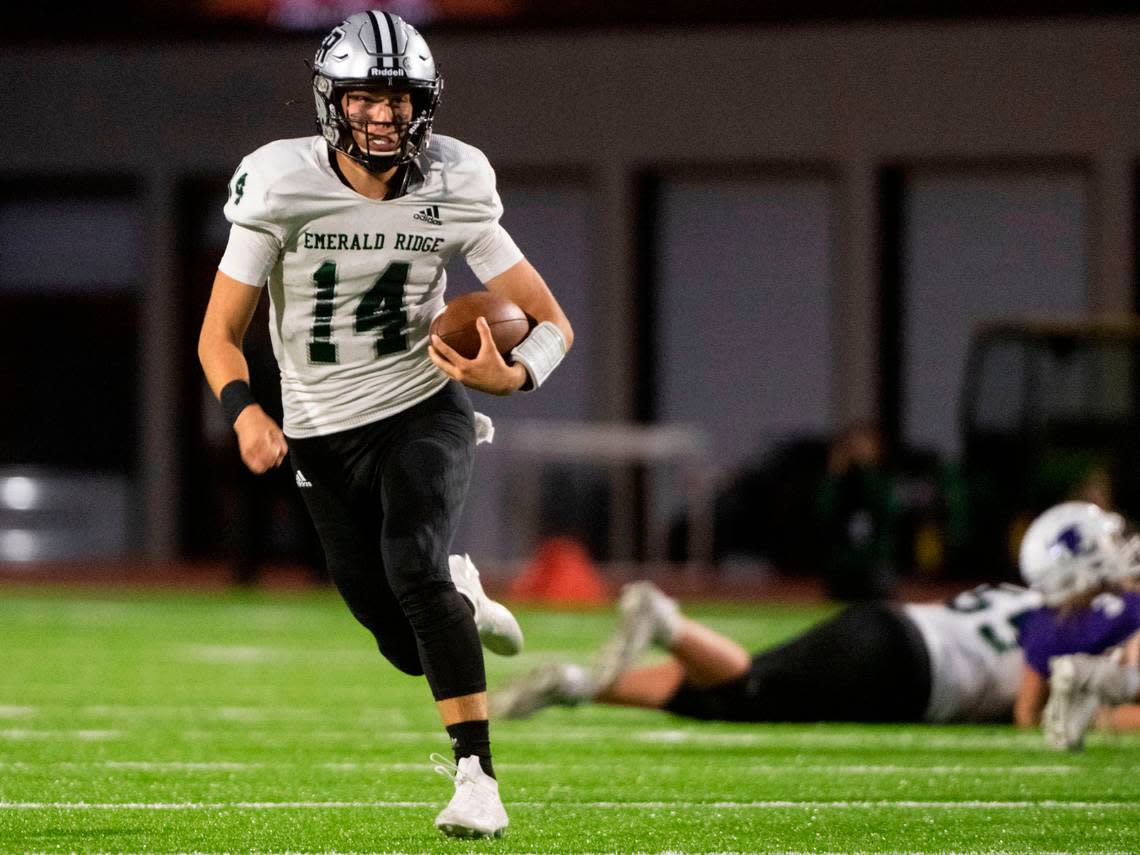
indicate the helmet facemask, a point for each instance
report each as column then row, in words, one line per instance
column 1127, row 542
column 341, row 130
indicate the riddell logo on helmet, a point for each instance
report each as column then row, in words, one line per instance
column 385, row 72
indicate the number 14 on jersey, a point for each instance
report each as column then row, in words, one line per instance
column 380, row 312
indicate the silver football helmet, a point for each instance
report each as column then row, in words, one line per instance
column 1077, row 547
column 375, row 50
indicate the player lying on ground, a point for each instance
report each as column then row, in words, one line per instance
column 1085, row 566
column 876, row 661
column 871, row 662
column 351, row 232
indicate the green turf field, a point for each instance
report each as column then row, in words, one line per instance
column 267, row 723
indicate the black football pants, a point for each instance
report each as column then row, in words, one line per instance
column 385, row 499
column 868, row 663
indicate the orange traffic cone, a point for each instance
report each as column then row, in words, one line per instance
column 560, row 572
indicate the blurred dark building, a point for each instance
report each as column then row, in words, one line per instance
column 766, row 220
column 227, row 18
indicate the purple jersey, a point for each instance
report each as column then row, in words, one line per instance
column 1108, row 621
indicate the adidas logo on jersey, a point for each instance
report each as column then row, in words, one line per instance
column 429, row 214
column 302, row 481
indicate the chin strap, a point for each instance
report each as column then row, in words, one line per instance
column 397, row 187
column 372, row 164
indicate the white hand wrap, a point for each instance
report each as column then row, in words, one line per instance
column 540, row 352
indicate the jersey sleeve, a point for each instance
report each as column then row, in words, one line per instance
column 492, row 253
column 250, row 200
column 249, row 255
column 1034, row 635
column 490, row 250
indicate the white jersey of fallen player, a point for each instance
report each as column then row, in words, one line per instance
column 975, row 660
column 356, row 281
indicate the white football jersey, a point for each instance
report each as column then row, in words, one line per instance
column 356, row 281
column 975, row 660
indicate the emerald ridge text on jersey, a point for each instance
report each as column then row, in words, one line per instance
column 369, row 240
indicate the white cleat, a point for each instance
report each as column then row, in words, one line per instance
column 556, row 684
column 475, row 810
column 1072, row 702
column 498, row 629
column 648, row 617
column 1078, row 685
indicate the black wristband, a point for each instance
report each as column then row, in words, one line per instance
column 235, row 397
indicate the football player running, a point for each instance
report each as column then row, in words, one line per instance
column 351, row 230
column 1081, row 647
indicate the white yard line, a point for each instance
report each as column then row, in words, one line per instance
column 744, row 767
column 668, row 852
column 27, row 735
column 266, row 654
column 895, row 769
column 924, row 739
column 736, row 768
column 928, row 738
column 364, row 718
column 356, row 733
column 777, row 804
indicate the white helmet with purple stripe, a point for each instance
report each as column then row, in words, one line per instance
column 1075, row 548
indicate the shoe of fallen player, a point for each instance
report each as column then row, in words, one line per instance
column 555, row 684
column 475, row 810
column 498, row 629
column 1072, row 702
column 1078, row 685
column 648, row 617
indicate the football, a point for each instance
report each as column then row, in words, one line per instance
column 456, row 323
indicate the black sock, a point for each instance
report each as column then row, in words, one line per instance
column 472, row 738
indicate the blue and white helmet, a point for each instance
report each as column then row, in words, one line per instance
column 375, row 50
column 1074, row 548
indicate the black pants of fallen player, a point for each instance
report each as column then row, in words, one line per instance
column 385, row 499
column 866, row 664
